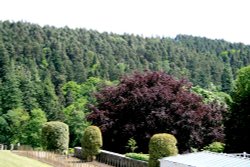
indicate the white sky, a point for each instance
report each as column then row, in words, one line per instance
column 216, row 19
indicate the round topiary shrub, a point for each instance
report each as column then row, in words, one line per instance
column 161, row 145
column 91, row 142
column 55, row 136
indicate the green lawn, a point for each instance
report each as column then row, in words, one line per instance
column 8, row 159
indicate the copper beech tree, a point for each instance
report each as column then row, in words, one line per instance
column 144, row 104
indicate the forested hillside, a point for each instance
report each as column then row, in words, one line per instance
column 37, row 62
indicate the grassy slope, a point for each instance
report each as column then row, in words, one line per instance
column 8, row 159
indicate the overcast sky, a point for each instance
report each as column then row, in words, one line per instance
column 216, row 19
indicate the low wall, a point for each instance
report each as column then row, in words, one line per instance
column 113, row 159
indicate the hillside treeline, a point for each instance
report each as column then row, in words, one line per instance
column 37, row 62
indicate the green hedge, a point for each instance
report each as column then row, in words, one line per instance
column 138, row 156
column 55, row 136
column 161, row 145
column 91, row 142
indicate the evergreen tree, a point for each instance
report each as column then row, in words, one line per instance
column 27, row 87
column 227, row 79
column 11, row 94
column 4, row 60
column 49, row 101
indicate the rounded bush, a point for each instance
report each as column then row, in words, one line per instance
column 91, row 142
column 215, row 147
column 55, row 136
column 161, row 145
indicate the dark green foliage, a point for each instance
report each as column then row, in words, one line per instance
column 215, row 147
column 11, row 93
column 35, row 63
column 65, row 54
column 138, row 156
column 55, row 136
column 68, row 54
column 4, row 128
column 237, row 127
column 161, row 145
column 91, row 142
column 227, row 79
column 49, row 101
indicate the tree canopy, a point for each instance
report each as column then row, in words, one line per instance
column 238, row 125
column 55, row 70
column 147, row 103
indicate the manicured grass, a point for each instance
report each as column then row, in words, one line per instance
column 8, row 159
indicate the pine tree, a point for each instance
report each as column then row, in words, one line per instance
column 4, row 60
column 49, row 101
column 29, row 95
column 11, row 94
column 227, row 79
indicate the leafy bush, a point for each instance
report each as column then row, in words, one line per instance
column 215, row 147
column 131, row 145
column 161, row 145
column 138, row 156
column 237, row 126
column 55, row 136
column 91, row 142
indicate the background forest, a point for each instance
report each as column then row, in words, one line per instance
column 49, row 73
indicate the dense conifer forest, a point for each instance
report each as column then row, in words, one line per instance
column 49, row 73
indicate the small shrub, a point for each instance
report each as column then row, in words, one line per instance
column 131, row 145
column 91, row 142
column 55, row 136
column 138, row 156
column 194, row 150
column 71, row 151
column 161, row 145
column 215, row 147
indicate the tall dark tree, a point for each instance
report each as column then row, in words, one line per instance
column 237, row 127
column 11, row 94
column 49, row 101
column 29, row 94
column 147, row 103
column 4, row 60
column 227, row 79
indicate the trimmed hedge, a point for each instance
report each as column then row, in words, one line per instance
column 91, row 142
column 138, row 156
column 55, row 136
column 161, row 145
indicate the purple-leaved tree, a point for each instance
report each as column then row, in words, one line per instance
column 144, row 104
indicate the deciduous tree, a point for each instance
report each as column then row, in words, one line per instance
column 237, row 128
column 147, row 103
